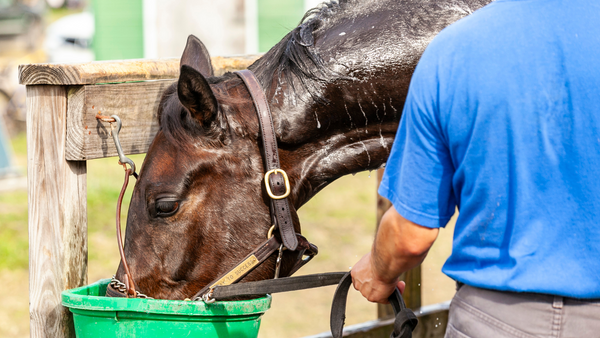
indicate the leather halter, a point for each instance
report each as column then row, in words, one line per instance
column 278, row 182
column 278, row 188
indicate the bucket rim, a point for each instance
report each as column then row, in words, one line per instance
column 88, row 298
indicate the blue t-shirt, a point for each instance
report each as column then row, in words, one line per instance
column 502, row 120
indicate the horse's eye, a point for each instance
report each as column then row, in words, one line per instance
column 166, row 207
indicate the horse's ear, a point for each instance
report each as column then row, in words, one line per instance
column 196, row 56
column 195, row 94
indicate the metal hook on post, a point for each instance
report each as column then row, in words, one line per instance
column 115, row 135
column 114, row 131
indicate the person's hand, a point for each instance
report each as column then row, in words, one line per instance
column 366, row 281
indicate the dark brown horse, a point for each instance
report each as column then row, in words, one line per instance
column 336, row 86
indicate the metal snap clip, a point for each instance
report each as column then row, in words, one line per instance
column 207, row 297
column 115, row 135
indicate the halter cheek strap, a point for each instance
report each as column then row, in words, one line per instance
column 276, row 181
column 278, row 188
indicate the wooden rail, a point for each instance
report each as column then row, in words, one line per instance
column 119, row 71
column 432, row 324
column 133, row 94
column 62, row 134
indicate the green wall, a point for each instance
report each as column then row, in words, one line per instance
column 119, row 29
column 276, row 18
column 120, row 33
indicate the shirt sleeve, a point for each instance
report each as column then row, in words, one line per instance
column 418, row 174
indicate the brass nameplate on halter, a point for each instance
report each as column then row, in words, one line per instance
column 238, row 272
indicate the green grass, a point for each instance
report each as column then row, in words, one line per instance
column 105, row 178
column 13, row 231
column 13, row 217
column 19, row 145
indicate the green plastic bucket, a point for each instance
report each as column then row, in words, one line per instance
column 98, row 316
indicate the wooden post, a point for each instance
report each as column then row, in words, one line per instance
column 412, row 294
column 57, row 213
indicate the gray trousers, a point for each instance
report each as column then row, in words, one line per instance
column 481, row 313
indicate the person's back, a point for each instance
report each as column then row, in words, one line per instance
column 503, row 121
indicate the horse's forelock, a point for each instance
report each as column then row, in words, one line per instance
column 176, row 122
column 182, row 130
column 170, row 119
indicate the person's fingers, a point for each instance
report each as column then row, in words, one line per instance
column 361, row 271
column 366, row 282
column 356, row 284
column 401, row 286
column 383, row 300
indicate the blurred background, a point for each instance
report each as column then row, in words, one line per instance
column 341, row 220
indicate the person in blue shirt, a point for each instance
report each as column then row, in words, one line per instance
column 502, row 121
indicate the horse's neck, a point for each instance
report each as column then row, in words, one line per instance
column 375, row 46
column 353, row 132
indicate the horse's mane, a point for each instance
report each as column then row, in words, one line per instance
column 295, row 59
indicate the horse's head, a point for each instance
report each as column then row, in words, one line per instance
column 198, row 203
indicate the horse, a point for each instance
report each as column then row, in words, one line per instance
column 335, row 86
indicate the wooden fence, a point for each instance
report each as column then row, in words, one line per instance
column 62, row 134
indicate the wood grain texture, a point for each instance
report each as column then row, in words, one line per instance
column 412, row 278
column 135, row 103
column 57, row 213
column 119, row 71
column 224, row 64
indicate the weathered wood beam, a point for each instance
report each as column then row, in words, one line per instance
column 135, row 103
column 433, row 320
column 57, row 213
column 119, row 71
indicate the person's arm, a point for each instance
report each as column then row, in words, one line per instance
column 399, row 246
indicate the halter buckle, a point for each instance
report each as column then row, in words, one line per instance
column 285, row 179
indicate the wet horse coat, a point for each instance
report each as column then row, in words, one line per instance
column 336, row 86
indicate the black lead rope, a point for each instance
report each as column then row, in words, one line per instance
column 405, row 322
column 283, row 284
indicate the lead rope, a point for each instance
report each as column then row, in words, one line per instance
column 129, row 285
column 404, row 324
